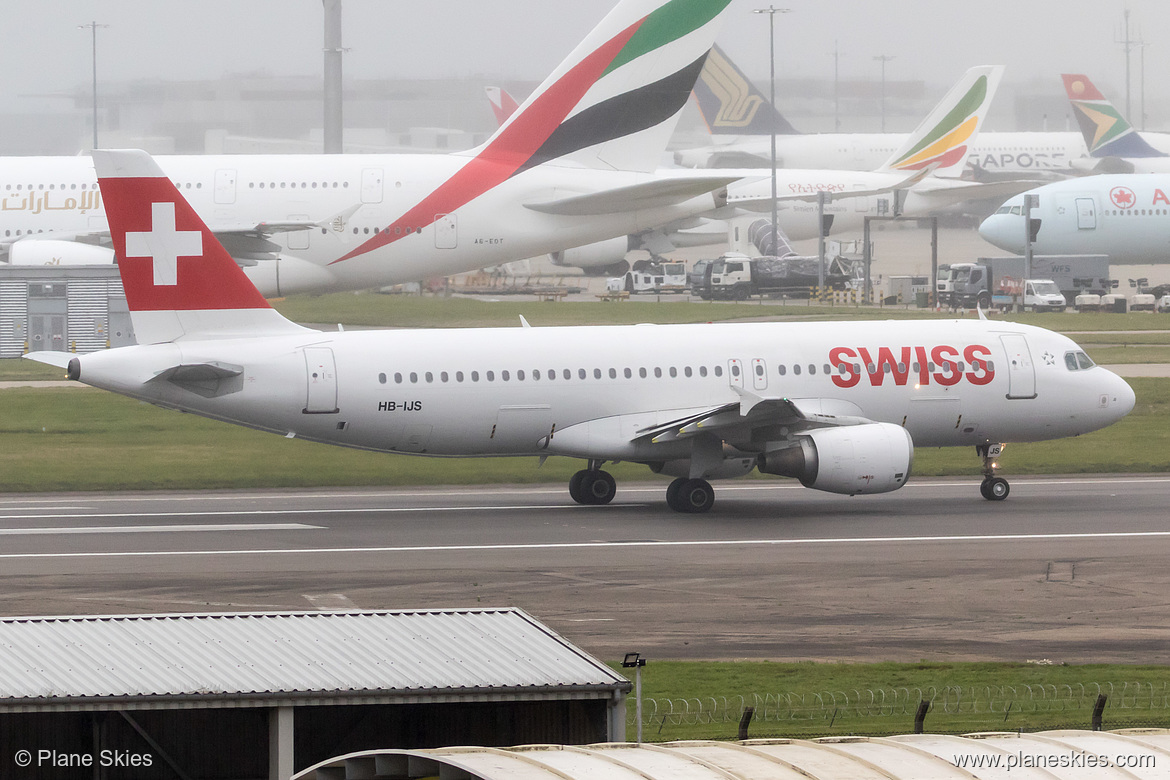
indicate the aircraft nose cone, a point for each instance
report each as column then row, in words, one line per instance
column 997, row 230
column 1123, row 398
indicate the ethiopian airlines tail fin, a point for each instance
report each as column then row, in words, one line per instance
column 1107, row 133
column 944, row 138
column 180, row 282
column 614, row 102
column 731, row 105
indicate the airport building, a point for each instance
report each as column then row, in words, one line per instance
column 263, row 695
column 62, row 309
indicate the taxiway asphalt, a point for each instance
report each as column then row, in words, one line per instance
column 1068, row 568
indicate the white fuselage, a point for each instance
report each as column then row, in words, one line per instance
column 1124, row 216
column 588, row 391
column 58, row 195
column 1020, row 153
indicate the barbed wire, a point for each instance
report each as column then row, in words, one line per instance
column 885, row 702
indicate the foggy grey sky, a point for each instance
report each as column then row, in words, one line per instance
column 932, row 40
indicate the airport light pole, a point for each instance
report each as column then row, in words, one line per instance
column 635, row 661
column 771, row 11
column 93, row 28
column 883, row 59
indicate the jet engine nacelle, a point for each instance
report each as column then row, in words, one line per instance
column 852, row 459
column 602, row 257
column 288, row 275
column 54, row 251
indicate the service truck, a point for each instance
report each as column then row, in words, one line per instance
column 735, row 276
column 666, row 277
column 1000, row 282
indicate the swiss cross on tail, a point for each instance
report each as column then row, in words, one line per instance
column 169, row 260
column 164, row 244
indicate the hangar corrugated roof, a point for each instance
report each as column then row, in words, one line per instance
column 1048, row 755
column 418, row 655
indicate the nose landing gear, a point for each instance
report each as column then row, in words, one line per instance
column 993, row 488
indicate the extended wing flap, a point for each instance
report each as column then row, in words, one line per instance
column 646, row 195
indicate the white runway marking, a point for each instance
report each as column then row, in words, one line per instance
column 155, row 529
column 606, row 545
column 314, row 512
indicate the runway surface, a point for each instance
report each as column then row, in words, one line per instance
column 1070, row 569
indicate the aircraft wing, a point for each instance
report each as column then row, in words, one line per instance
column 655, row 193
column 939, row 193
column 757, row 195
column 248, row 243
column 753, row 411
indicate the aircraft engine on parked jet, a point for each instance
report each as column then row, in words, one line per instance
column 601, row 258
column 869, row 458
column 57, row 252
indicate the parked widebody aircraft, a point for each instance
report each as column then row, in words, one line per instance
column 1125, row 216
column 574, row 164
column 740, row 119
column 1114, row 145
column 838, row 405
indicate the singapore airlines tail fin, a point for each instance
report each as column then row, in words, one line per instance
column 943, row 139
column 614, row 102
column 1107, row 133
column 731, row 105
column 180, row 282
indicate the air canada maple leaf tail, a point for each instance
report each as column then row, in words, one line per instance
column 180, row 282
column 943, row 139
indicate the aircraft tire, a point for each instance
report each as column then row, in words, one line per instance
column 575, row 483
column 672, row 493
column 598, row 487
column 995, row 489
column 694, row 496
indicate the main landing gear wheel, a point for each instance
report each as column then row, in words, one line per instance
column 995, row 488
column 592, row 487
column 693, row 496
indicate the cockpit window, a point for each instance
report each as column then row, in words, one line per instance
column 1003, row 210
column 1084, row 360
column 1075, row 361
column 1070, row 361
column 1015, row 210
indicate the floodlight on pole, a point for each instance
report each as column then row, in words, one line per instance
column 771, row 11
column 635, row 661
column 884, row 58
column 93, row 28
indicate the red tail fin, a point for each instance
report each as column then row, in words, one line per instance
column 179, row 280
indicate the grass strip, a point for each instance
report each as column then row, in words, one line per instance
column 703, row 700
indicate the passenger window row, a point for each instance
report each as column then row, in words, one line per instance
column 536, row 375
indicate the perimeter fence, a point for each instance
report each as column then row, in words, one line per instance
column 1067, row 703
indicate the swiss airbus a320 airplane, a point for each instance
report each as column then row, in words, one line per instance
column 575, row 164
column 839, row 406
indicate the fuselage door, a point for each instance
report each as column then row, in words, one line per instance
column 1086, row 214
column 371, row 185
column 1021, row 372
column 321, row 375
column 759, row 374
column 225, row 186
column 446, row 232
column 735, row 372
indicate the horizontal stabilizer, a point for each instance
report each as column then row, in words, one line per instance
column 59, row 359
column 647, row 195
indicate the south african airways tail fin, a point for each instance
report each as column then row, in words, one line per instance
column 943, row 139
column 1107, row 133
column 731, row 104
column 180, row 282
